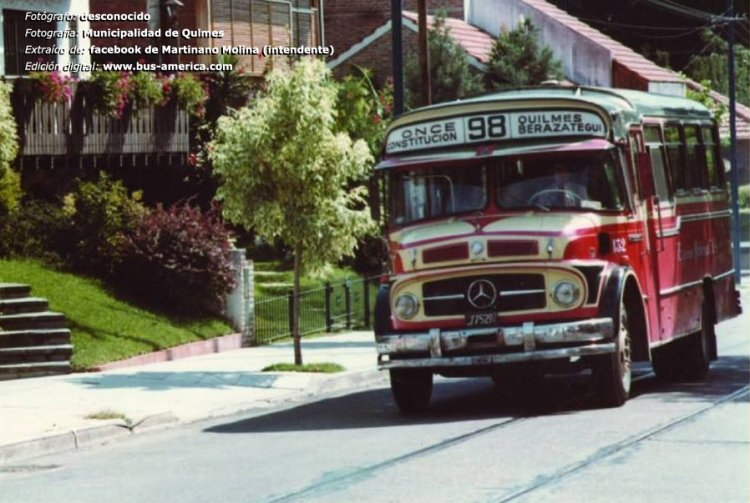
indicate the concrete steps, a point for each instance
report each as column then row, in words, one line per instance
column 33, row 340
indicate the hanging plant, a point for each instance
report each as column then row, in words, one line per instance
column 52, row 87
column 189, row 93
column 110, row 92
column 146, row 90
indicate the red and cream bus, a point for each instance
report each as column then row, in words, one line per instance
column 553, row 227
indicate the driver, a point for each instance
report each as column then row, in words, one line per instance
column 565, row 190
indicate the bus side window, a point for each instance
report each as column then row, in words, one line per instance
column 633, row 151
column 713, row 160
column 696, row 161
column 680, row 176
column 655, row 148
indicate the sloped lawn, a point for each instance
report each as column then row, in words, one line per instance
column 104, row 328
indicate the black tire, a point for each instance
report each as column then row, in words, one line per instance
column 698, row 348
column 613, row 373
column 666, row 362
column 411, row 389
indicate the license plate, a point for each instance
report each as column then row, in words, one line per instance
column 481, row 319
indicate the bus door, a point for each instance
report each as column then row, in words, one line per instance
column 660, row 226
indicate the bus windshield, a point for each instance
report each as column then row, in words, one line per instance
column 438, row 192
column 588, row 180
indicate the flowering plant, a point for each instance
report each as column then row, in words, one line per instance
column 190, row 93
column 110, row 91
column 52, row 86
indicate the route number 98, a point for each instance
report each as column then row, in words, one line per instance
column 486, row 126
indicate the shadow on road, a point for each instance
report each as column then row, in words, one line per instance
column 727, row 374
column 474, row 399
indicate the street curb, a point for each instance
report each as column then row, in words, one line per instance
column 74, row 440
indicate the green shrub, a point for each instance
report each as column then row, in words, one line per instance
column 362, row 111
column 101, row 213
column 10, row 190
column 178, row 259
column 37, row 229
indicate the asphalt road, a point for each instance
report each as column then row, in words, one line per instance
column 686, row 442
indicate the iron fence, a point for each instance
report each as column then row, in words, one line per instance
column 346, row 304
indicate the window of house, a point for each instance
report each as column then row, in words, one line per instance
column 15, row 41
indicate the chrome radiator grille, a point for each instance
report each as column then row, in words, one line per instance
column 514, row 292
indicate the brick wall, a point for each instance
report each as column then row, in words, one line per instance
column 378, row 57
column 349, row 21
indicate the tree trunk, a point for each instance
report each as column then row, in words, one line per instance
column 295, row 306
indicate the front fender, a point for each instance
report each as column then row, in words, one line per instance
column 614, row 286
column 383, row 324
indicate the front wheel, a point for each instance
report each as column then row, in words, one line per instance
column 613, row 373
column 411, row 389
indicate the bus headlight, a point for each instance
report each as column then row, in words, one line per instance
column 565, row 293
column 406, row 306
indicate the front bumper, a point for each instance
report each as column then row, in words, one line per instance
column 495, row 345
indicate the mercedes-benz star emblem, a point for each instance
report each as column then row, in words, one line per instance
column 481, row 294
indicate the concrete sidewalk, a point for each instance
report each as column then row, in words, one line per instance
column 45, row 415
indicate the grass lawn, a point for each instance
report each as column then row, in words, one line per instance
column 324, row 367
column 104, row 328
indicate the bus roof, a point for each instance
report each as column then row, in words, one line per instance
column 619, row 108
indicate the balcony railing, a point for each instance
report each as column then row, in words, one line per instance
column 75, row 128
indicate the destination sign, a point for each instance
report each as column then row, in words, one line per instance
column 456, row 131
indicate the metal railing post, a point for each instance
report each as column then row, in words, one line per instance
column 329, row 321
column 348, row 304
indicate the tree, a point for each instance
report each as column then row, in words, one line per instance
column 451, row 77
column 517, row 59
column 712, row 66
column 10, row 181
column 285, row 172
